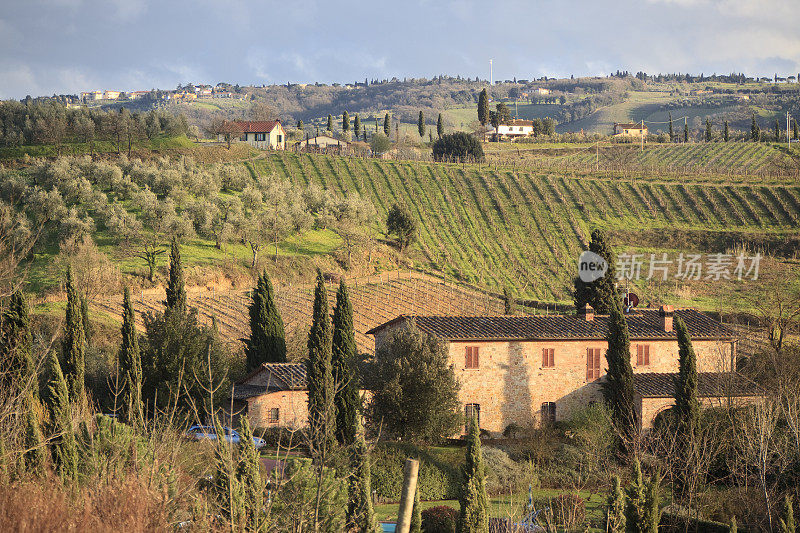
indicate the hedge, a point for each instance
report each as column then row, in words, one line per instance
column 439, row 471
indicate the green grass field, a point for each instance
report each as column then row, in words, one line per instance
column 500, row 227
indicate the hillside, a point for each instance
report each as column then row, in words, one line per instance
column 501, row 227
column 375, row 299
column 707, row 162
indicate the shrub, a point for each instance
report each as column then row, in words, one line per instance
column 569, row 510
column 380, row 143
column 439, row 475
column 513, row 431
column 439, row 519
column 503, row 473
column 459, row 147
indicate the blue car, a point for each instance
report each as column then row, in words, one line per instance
column 209, row 433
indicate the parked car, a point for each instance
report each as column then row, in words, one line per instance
column 209, row 433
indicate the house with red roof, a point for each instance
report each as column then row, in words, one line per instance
column 264, row 134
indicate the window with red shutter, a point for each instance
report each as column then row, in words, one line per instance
column 471, row 357
column 642, row 354
column 548, row 357
column 592, row 364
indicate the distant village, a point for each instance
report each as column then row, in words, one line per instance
column 186, row 94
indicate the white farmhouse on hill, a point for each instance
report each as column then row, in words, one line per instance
column 515, row 128
column 262, row 134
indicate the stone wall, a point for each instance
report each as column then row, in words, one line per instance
column 292, row 409
column 649, row 408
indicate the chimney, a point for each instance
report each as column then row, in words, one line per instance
column 665, row 313
column 586, row 312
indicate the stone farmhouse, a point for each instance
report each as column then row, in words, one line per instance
column 264, row 134
column 529, row 370
column 629, row 130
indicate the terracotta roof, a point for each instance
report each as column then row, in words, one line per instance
column 630, row 126
column 243, row 392
column 257, row 126
column 519, row 122
column 282, row 377
column 642, row 324
column 709, row 385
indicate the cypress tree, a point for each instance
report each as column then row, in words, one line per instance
column 387, row 125
column 671, row 131
column 345, row 121
column 795, row 132
column 687, row 405
column 618, row 385
column 635, row 501
column 35, row 457
column 483, row 107
column 439, row 126
column 708, row 130
column 130, row 364
column 267, row 342
column 359, row 503
column 346, row 398
column 652, row 512
column 615, row 508
column 249, row 476
column 65, row 448
column 754, row 133
column 176, row 289
column 777, row 131
column 787, row 516
column 686, row 133
column 600, row 292
column 87, row 326
column 421, row 124
column 15, row 347
column 330, row 123
column 509, row 304
column 474, row 515
column 725, row 132
column 74, row 343
column 356, row 127
column 319, row 373
column 364, row 134
column 300, row 125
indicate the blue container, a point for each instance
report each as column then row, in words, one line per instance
column 388, row 527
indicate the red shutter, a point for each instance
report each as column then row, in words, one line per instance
column 544, row 356
column 589, row 358
column 639, row 358
column 647, row 354
column 552, row 357
column 597, row 363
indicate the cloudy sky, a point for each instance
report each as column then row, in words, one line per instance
column 66, row 46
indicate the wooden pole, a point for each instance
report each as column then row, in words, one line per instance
column 410, row 473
